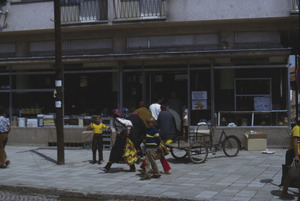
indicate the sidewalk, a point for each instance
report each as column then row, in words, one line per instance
column 249, row 176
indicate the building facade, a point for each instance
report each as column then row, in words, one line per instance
column 227, row 62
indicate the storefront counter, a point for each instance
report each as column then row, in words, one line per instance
column 253, row 118
column 42, row 136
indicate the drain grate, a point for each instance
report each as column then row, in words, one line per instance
column 66, row 144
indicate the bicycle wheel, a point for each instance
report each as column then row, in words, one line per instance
column 178, row 153
column 198, row 152
column 231, row 146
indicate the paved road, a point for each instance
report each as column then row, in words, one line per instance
column 249, row 176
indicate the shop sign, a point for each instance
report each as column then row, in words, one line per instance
column 199, row 104
column 199, row 100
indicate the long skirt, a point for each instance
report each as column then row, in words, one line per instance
column 130, row 153
column 123, row 149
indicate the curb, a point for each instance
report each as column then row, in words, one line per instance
column 60, row 194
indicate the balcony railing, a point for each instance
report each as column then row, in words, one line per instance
column 295, row 6
column 76, row 11
column 139, row 9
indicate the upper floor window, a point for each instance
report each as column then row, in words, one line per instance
column 295, row 6
column 139, row 9
column 74, row 11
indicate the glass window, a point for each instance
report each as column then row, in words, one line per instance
column 4, row 103
column 33, row 81
column 29, row 104
column 91, row 93
column 4, row 82
column 200, row 92
column 132, row 90
column 251, row 97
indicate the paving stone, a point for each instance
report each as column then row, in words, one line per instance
column 238, row 178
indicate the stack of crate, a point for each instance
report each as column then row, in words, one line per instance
column 107, row 142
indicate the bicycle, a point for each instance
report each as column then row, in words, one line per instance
column 199, row 142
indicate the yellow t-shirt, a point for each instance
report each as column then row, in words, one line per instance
column 97, row 129
column 295, row 133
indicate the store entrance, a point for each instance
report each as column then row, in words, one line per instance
column 162, row 84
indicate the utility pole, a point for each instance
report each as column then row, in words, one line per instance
column 59, row 86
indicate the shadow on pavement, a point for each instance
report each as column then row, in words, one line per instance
column 44, row 156
column 278, row 192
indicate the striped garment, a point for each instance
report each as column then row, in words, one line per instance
column 152, row 138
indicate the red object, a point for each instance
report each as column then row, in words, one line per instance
column 164, row 163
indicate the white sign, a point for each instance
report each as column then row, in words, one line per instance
column 199, row 95
column 58, row 104
column 58, row 83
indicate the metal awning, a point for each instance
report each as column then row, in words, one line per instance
column 150, row 56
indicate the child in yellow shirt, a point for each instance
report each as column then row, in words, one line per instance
column 97, row 142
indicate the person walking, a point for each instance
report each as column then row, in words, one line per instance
column 97, row 143
column 155, row 108
column 167, row 131
column 175, row 107
column 292, row 154
column 4, row 130
column 123, row 148
column 143, row 112
column 137, row 132
column 152, row 143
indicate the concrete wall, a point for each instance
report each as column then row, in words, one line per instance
column 42, row 136
column 194, row 10
column 30, row 16
column 40, row 15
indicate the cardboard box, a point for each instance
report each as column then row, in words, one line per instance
column 255, row 141
column 87, row 136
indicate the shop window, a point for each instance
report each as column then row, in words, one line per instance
column 200, row 92
column 4, row 82
column 4, row 103
column 253, row 97
column 132, row 90
column 253, row 94
column 30, row 104
column 39, row 81
column 90, row 94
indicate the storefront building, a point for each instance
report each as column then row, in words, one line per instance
column 229, row 69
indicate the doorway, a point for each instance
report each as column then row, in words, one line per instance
column 161, row 84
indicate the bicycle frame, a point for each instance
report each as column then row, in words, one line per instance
column 220, row 141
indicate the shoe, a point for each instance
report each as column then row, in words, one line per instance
column 168, row 172
column 93, row 162
column 141, row 170
column 7, row 163
column 99, row 163
column 103, row 169
column 131, row 170
column 145, row 178
column 155, row 176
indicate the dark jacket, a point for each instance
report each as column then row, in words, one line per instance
column 166, row 124
column 138, row 131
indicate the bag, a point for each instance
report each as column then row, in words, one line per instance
column 161, row 151
column 164, row 148
column 294, row 183
column 294, row 170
